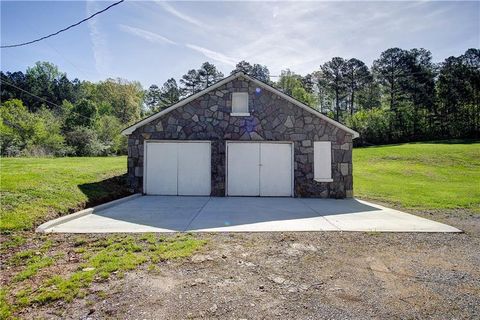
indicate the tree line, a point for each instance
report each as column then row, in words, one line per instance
column 403, row 96
column 43, row 112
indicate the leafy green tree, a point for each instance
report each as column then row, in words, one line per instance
column 208, row 74
column 256, row 70
column 64, row 89
column 369, row 96
column 304, row 96
column 322, row 92
column 390, row 70
column 16, row 127
column 291, row 84
column 308, row 83
column 333, row 78
column 420, row 87
column 41, row 81
column 356, row 76
column 125, row 98
column 47, row 138
column 407, row 78
column 458, row 94
column 191, row 82
column 153, row 97
column 82, row 114
column 372, row 125
column 108, row 129
column 25, row 133
column 158, row 99
column 288, row 81
column 170, row 93
column 11, row 85
column 84, row 142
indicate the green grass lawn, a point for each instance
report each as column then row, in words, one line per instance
column 414, row 175
column 35, row 189
column 420, row 175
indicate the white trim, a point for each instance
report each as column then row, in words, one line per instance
column 240, row 114
column 322, row 151
column 132, row 128
column 240, row 102
column 292, row 146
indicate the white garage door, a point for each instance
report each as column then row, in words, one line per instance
column 259, row 169
column 177, row 168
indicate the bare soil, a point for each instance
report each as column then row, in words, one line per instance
column 334, row 275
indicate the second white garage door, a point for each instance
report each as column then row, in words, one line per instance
column 259, row 169
column 173, row 168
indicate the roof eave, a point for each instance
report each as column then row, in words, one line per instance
column 180, row 103
column 133, row 127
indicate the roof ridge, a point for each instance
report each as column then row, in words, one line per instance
column 225, row 80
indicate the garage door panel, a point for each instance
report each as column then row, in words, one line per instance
column 243, row 169
column 173, row 168
column 259, row 169
column 194, row 169
column 276, row 169
column 161, row 169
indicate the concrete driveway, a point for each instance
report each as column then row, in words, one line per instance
column 240, row 214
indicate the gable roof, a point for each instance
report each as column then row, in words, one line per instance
column 220, row 83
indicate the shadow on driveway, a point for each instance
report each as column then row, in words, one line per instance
column 245, row 214
column 177, row 213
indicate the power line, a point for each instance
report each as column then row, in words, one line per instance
column 43, row 99
column 62, row 30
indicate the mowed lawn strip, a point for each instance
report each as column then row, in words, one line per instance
column 35, row 189
column 420, row 175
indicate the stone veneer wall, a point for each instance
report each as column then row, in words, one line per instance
column 272, row 118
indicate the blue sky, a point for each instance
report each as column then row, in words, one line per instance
column 151, row 41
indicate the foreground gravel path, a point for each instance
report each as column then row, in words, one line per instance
column 330, row 275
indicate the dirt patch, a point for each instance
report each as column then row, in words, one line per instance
column 298, row 275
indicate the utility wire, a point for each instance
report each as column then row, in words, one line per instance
column 43, row 99
column 62, row 30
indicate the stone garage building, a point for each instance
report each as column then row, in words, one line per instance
column 240, row 137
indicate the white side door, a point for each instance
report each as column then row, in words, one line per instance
column 194, row 168
column 243, row 169
column 161, row 168
column 275, row 169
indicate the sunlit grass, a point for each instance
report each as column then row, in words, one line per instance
column 33, row 188
column 420, row 175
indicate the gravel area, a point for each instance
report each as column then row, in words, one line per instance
column 330, row 275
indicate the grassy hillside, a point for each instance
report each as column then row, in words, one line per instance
column 420, row 175
column 35, row 189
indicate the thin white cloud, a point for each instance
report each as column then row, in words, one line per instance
column 145, row 34
column 180, row 15
column 101, row 52
column 214, row 55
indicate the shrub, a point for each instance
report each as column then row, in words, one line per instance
column 372, row 125
column 15, row 126
column 81, row 114
column 108, row 130
column 32, row 134
column 84, row 142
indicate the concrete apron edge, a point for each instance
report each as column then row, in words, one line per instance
column 44, row 227
column 452, row 229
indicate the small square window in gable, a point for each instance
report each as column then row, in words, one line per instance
column 240, row 104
